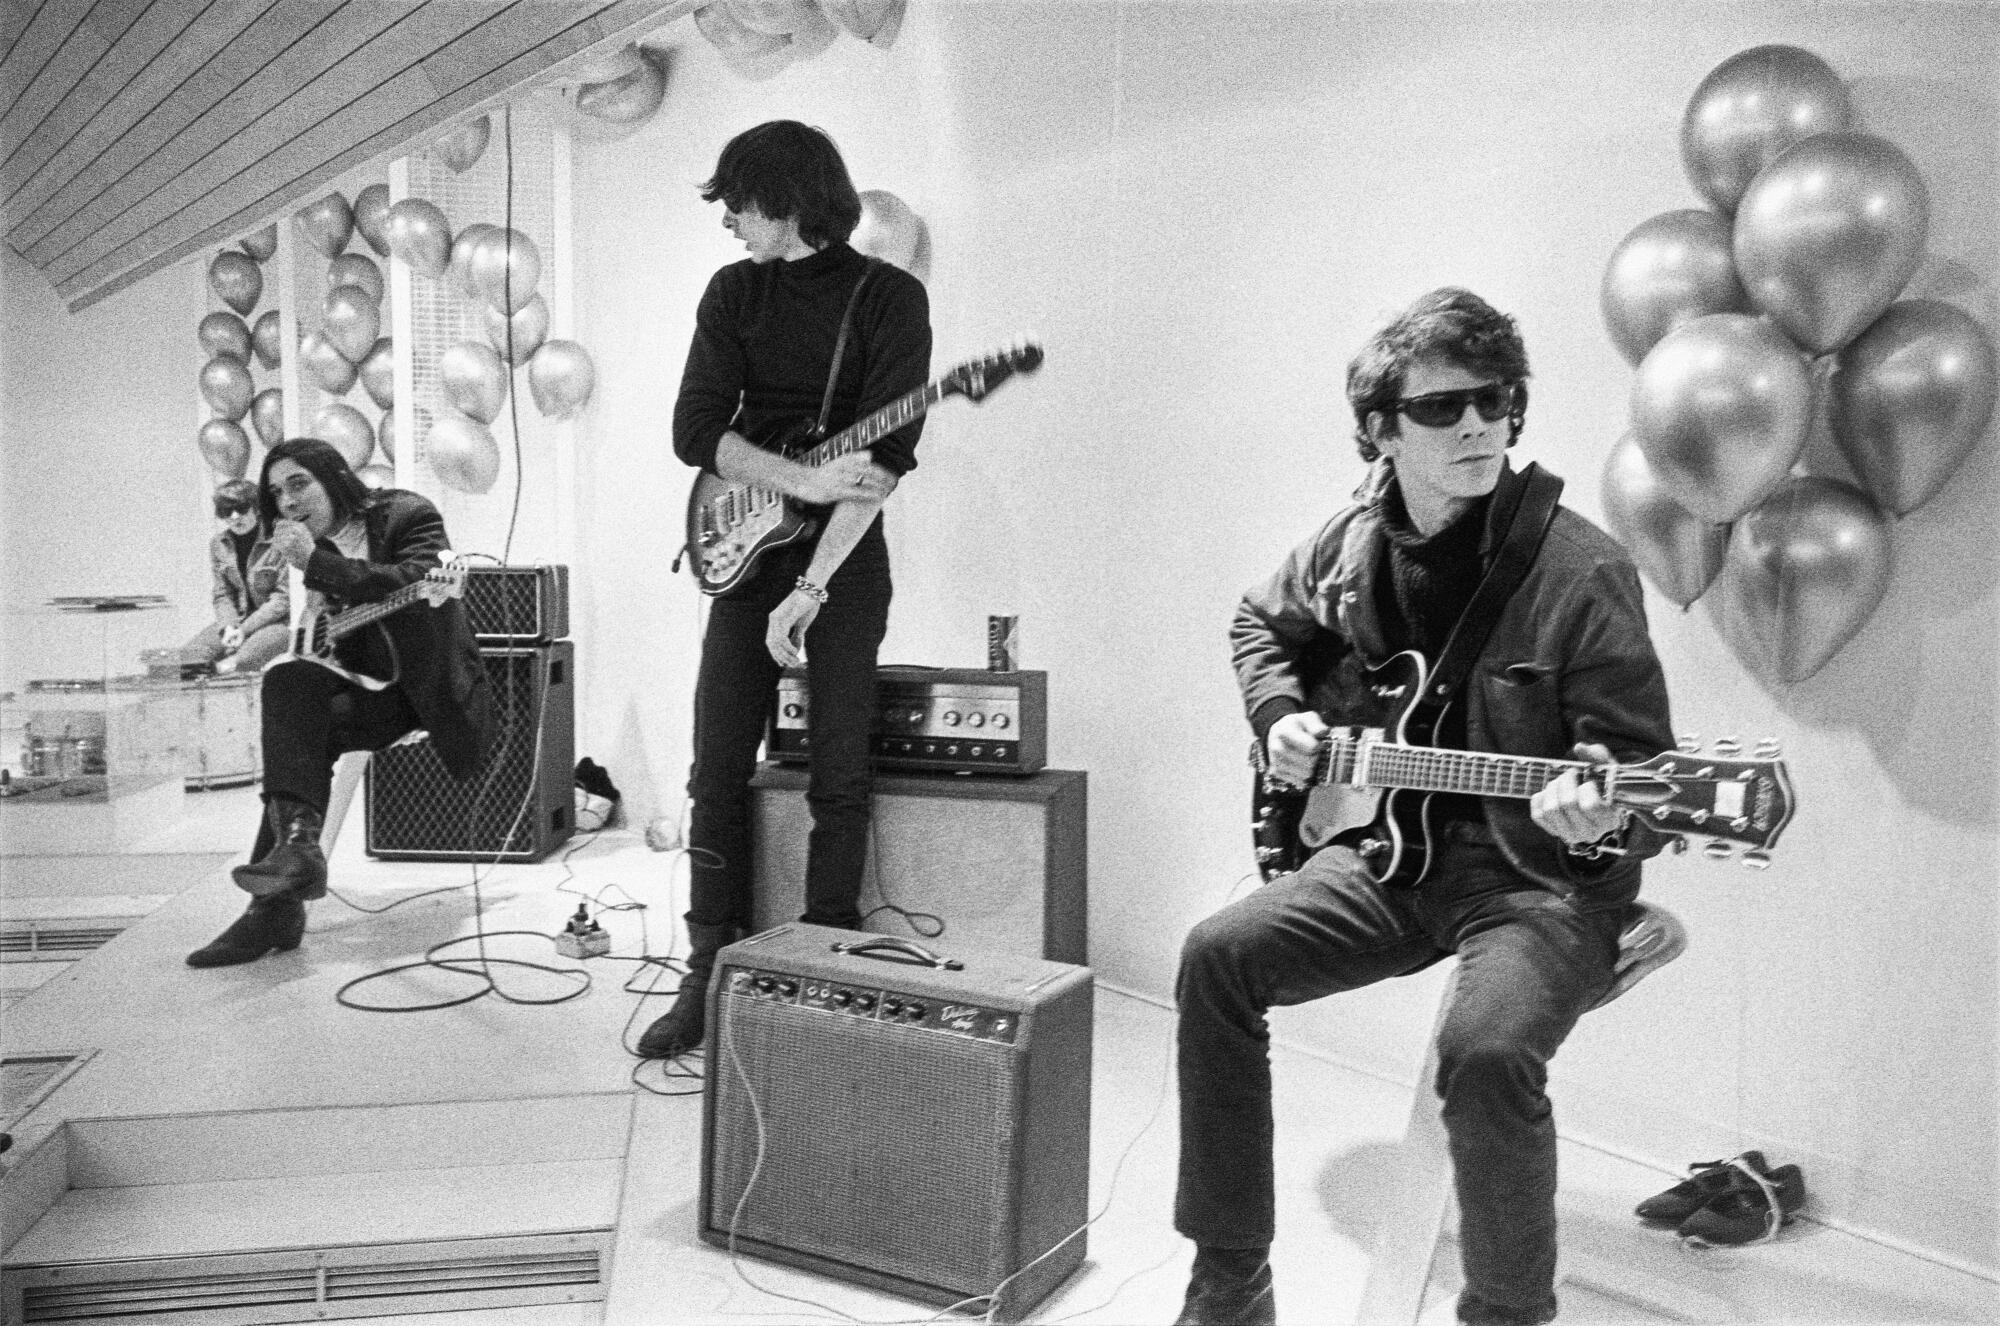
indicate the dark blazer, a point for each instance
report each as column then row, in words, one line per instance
column 437, row 662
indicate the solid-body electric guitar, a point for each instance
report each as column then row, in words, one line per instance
column 730, row 526
column 1377, row 771
column 318, row 630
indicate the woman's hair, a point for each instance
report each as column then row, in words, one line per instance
column 1448, row 324
column 233, row 496
column 324, row 462
column 789, row 172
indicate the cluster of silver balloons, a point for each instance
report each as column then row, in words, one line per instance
column 351, row 343
column 1746, row 321
column 758, row 38
column 233, row 345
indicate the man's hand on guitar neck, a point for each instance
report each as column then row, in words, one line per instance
column 849, row 478
column 1574, row 808
column 1292, row 747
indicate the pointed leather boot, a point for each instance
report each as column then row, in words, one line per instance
column 270, row 925
column 1230, row 1287
column 296, row 865
column 684, row 1026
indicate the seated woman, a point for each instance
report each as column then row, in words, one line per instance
column 252, row 604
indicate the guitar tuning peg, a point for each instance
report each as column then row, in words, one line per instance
column 1688, row 743
column 1756, row 859
column 1677, row 845
column 1769, row 749
column 1728, row 746
column 1716, row 850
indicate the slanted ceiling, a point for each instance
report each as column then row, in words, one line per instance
column 136, row 132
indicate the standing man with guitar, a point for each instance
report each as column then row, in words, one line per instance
column 342, row 689
column 1535, row 622
column 801, row 338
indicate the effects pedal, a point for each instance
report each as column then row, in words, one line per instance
column 583, row 937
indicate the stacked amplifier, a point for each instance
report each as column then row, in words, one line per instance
column 521, row 805
column 945, row 720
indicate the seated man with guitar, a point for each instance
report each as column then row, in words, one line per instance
column 803, row 336
column 1534, row 622
column 356, row 679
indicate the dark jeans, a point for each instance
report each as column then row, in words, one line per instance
column 311, row 717
column 733, row 699
column 1530, row 963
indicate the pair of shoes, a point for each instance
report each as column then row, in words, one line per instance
column 1751, row 1211
column 273, row 924
column 1229, row 1287
column 296, row 865
column 682, row 1027
column 1706, row 1181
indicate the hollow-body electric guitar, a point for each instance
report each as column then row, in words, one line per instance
column 730, row 526
column 318, row 630
column 1372, row 786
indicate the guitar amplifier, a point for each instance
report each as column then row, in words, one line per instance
column 951, row 720
column 911, row 1121
column 517, row 604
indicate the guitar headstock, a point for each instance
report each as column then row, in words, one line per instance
column 1715, row 795
column 444, row 582
column 975, row 379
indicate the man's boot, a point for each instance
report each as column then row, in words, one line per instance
column 272, row 924
column 296, row 865
column 684, row 1026
column 1229, row 1287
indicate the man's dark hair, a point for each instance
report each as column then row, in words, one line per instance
column 234, row 495
column 324, row 462
column 789, row 172
column 1448, row 324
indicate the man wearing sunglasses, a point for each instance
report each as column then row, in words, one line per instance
column 1530, row 895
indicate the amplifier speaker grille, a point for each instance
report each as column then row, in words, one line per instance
column 517, row 604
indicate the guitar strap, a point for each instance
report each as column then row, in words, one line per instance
column 840, row 348
column 1533, row 503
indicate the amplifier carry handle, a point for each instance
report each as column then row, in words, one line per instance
column 882, row 947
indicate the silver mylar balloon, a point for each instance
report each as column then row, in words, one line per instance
column 371, row 217
column 462, row 146
column 267, row 413
column 462, row 453
column 1803, row 572
column 333, row 371
column 355, row 269
column 225, row 448
column 561, row 378
column 529, row 328
column 629, row 98
column 419, row 234
column 267, row 340
column 351, row 322
column 1828, row 233
column 1721, row 407
column 328, row 223
column 236, row 280
column 226, row 386
column 1674, row 548
column 348, row 430
column 750, row 53
column 888, row 229
column 261, row 244
column 1749, row 110
column 474, row 379
column 376, row 476
column 1911, row 395
column 459, row 276
column 605, row 66
column 224, row 335
column 873, row 21
column 385, row 433
column 1671, row 269
column 505, row 266
column 378, row 372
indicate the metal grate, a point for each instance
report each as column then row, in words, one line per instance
column 30, row 941
column 518, row 603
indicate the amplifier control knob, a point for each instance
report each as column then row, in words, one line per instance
column 951, row 749
column 915, row 1012
column 951, row 718
column 1001, row 721
column 788, row 987
column 766, row 984
column 794, row 710
column 864, row 1002
column 841, row 999
column 916, row 717
column 977, row 720
column 892, row 1007
column 978, row 751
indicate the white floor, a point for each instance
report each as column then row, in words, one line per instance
column 171, row 1040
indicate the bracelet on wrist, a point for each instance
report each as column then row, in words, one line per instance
column 815, row 592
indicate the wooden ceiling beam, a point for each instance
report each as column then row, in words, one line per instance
column 47, row 29
column 81, row 52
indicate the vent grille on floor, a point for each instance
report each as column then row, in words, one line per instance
column 27, row 941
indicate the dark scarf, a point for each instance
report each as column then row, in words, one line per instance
column 1431, row 577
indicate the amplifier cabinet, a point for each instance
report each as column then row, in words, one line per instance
column 952, row 720
column 517, row 604
column 1004, row 862
column 918, row 1130
column 521, row 804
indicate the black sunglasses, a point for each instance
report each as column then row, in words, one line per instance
column 224, row 512
column 1441, row 409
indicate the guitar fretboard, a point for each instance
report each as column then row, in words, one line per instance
column 744, row 501
column 355, row 618
column 1435, row 769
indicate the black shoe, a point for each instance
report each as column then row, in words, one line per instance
column 1230, row 1287
column 1705, row 1182
column 1743, row 1214
column 296, row 865
column 682, row 1027
column 271, row 925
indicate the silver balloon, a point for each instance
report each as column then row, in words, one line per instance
column 605, row 66
column 352, row 321
column 529, row 328
column 376, row 476
column 267, row 414
column 267, row 340
column 378, row 372
column 1671, row 269
column 1721, row 407
column 223, row 335
column 326, row 366
column 561, row 378
column 226, row 386
column 385, row 433
column 327, row 224
column 236, row 280
column 474, row 379
column 504, row 268
column 261, row 244
column 1673, row 548
column 419, row 234
column 1750, row 109
column 873, row 21
column 888, row 229
column 1803, row 572
column 801, row 22
column 462, row 146
column 355, row 269
column 1911, row 395
column 371, row 217
column 225, row 448
column 1828, row 233
column 348, row 430
column 629, row 98
column 462, row 453
column 748, row 52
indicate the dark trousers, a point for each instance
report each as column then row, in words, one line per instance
column 733, row 699
column 1530, row 963
column 311, row 717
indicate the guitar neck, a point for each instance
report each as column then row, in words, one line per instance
column 1435, row 769
column 355, row 618
column 885, row 420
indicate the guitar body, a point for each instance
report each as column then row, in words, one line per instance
column 313, row 642
column 730, row 526
column 318, row 632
